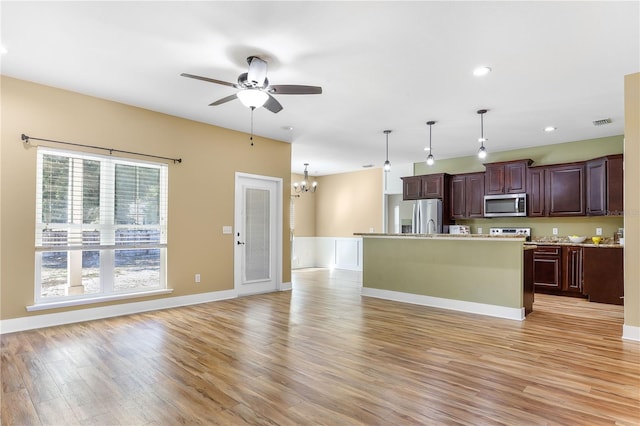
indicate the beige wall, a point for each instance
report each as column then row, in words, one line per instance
column 347, row 203
column 201, row 189
column 632, row 200
column 305, row 210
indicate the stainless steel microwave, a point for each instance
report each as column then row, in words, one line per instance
column 505, row 205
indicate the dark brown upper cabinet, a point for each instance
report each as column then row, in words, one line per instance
column 508, row 177
column 605, row 186
column 412, row 187
column 536, row 191
column 425, row 186
column 565, row 190
column 467, row 196
column 557, row 190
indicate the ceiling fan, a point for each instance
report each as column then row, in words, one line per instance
column 255, row 90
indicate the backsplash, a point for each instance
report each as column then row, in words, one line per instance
column 543, row 226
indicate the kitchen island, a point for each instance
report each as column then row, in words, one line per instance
column 472, row 273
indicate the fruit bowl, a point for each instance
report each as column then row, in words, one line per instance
column 576, row 239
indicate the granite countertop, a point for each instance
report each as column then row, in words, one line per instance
column 549, row 241
column 445, row 236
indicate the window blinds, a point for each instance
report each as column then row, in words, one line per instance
column 93, row 201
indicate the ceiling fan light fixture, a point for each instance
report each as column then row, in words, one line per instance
column 252, row 98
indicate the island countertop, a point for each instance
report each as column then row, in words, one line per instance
column 478, row 237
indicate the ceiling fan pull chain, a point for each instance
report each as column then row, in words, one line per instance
column 251, row 137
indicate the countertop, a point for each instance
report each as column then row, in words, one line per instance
column 561, row 242
column 475, row 237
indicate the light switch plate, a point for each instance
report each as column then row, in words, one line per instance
column 227, row 230
column 479, row 230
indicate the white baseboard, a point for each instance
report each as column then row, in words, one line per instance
column 454, row 305
column 286, row 286
column 49, row 320
column 630, row 332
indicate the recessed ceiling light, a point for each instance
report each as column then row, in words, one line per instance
column 480, row 71
column 426, row 148
column 550, row 129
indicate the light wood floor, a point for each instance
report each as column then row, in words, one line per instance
column 322, row 354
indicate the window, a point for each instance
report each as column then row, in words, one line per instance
column 101, row 226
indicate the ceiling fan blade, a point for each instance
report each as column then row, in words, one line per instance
column 292, row 89
column 224, row 100
column 273, row 105
column 210, row 80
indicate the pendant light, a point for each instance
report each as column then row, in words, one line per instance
column 387, row 164
column 482, row 152
column 430, row 159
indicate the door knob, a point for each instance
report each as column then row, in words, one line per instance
column 240, row 243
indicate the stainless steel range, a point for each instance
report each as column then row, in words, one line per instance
column 526, row 232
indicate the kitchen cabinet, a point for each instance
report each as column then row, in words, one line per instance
column 557, row 190
column 547, row 268
column 558, row 270
column 615, row 185
column 411, row 187
column 604, row 186
column 596, row 172
column 604, row 275
column 466, row 196
column 565, row 190
column 425, row 186
column 572, row 269
column 535, row 191
column 508, row 177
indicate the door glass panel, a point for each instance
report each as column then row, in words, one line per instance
column 257, row 235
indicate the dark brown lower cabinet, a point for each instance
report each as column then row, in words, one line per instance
column 604, row 274
column 558, row 270
column 547, row 268
column 572, row 269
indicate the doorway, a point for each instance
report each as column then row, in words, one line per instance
column 258, row 234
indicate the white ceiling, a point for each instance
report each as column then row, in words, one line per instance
column 382, row 65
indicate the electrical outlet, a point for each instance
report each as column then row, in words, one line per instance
column 371, row 230
column 555, row 231
column 479, row 230
column 197, row 278
column 598, row 231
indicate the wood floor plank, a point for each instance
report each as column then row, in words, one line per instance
column 323, row 354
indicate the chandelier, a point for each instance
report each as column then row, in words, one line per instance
column 305, row 185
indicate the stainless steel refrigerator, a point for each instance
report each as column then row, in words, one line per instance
column 427, row 217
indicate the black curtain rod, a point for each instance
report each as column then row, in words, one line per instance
column 26, row 138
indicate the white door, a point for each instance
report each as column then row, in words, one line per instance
column 258, row 234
